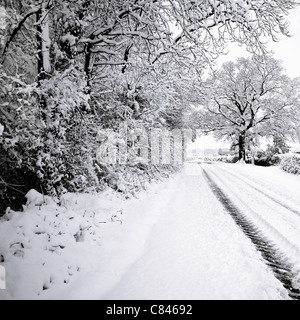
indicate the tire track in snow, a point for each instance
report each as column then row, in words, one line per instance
column 282, row 268
column 277, row 223
column 254, row 186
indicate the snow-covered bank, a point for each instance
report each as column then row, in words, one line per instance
column 174, row 242
column 76, row 250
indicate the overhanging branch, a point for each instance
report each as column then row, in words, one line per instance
column 17, row 29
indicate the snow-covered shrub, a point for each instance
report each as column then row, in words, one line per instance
column 267, row 160
column 130, row 179
column 62, row 150
column 291, row 163
column 218, row 158
column 55, row 139
column 43, row 245
column 17, row 115
column 226, row 159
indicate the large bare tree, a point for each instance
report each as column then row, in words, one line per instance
column 249, row 99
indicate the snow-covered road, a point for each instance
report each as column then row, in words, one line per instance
column 197, row 251
column 277, row 214
column 212, row 231
column 269, row 220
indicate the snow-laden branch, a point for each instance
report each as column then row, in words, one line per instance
column 16, row 30
column 174, row 26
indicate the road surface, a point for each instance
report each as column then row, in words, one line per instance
column 226, row 232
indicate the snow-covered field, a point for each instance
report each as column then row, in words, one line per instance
column 176, row 241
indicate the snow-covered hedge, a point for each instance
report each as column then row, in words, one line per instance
column 291, row 163
column 218, row 158
column 130, row 179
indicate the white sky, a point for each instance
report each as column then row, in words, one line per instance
column 287, row 50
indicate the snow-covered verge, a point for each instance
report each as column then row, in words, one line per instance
column 48, row 247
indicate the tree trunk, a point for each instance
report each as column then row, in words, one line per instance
column 39, row 41
column 40, row 66
column 88, row 67
column 242, row 146
column 46, row 43
column 43, row 48
column 43, row 43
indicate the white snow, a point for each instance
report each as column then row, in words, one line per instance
column 34, row 198
column 175, row 241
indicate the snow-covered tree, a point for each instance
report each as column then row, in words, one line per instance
column 253, row 99
column 176, row 28
column 279, row 146
column 69, row 67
